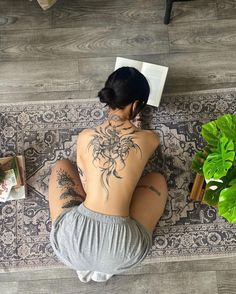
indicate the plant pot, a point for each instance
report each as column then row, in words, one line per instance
column 198, row 189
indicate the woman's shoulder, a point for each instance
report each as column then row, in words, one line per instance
column 83, row 137
column 84, row 133
column 151, row 137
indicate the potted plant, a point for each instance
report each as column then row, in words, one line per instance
column 217, row 164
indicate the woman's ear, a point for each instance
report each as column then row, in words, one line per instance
column 134, row 109
column 134, row 106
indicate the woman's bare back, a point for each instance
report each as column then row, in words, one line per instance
column 111, row 159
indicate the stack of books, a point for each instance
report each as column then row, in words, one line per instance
column 12, row 178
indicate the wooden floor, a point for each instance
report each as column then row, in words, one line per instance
column 68, row 52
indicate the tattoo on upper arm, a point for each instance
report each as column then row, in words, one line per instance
column 150, row 187
column 110, row 148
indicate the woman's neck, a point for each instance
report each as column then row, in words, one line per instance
column 118, row 119
column 118, row 115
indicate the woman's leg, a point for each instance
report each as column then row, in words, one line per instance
column 149, row 200
column 65, row 188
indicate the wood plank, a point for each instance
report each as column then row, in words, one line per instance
column 71, row 43
column 226, row 9
column 222, row 264
column 216, row 35
column 19, row 6
column 9, row 287
column 177, row 283
column 187, row 71
column 93, row 72
column 10, row 21
column 41, row 76
column 160, row 4
column 101, row 12
column 44, row 96
column 192, row 71
column 226, row 282
column 44, row 274
column 200, row 87
column 226, row 263
column 193, row 11
column 196, row 71
column 23, row 14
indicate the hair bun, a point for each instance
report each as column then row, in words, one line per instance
column 106, row 95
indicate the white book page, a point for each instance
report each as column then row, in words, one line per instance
column 156, row 76
column 120, row 61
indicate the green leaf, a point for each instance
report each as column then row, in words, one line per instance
column 212, row 193
column 211, row 197
column 231, row 174
column 210, row 133
column 13, row 165
column 232, row 183
column 219, row 162
column 227, row 204
column 198, row 160
column 227, row 125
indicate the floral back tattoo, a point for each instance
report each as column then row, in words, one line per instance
column 110, row 148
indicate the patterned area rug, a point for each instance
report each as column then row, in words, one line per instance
column 46, row 131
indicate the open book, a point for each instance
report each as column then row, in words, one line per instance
column 155, row 74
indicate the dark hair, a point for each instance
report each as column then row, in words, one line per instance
column 124, row 86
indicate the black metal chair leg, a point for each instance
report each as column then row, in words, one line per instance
column 169, row 4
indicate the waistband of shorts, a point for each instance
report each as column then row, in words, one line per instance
column 82, row 209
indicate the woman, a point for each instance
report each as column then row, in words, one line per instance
column 104, row 216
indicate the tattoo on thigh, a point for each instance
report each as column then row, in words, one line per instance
column 68, row 187
column 71, row 203
column 70, row 192
column 150, row 187
column 64, row 179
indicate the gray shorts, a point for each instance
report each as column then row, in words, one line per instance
column 97, row 245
